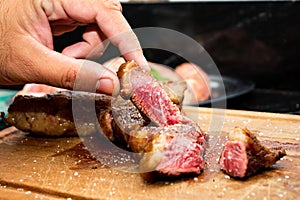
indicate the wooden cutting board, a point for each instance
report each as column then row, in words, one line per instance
column 48, row 168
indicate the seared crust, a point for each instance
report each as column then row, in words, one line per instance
column 126, row 67
column 51, row 114
column 130, row 78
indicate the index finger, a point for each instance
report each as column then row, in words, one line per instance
column 114, row 25
column 108, row 16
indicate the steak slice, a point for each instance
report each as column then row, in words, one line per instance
column 243, row 154
column 169, row 151
column 148, row 95
column 51, row 114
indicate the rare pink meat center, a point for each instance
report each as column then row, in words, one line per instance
column 182, row 155
column 234, row 159
column 154, row 102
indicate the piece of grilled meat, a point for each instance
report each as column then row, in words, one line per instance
column 148, row 95
column 51, row 114
column 172, row 145
column 244, row 155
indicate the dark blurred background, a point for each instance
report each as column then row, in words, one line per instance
column 255, row 40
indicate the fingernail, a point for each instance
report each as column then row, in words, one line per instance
column 147, row 66
column 143, row 62
column 105, row 86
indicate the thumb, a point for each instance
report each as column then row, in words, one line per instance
column 93, row 77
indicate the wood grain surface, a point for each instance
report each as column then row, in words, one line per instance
column 62, row 168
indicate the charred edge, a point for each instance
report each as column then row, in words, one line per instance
column 259, row 156
column 126, row 67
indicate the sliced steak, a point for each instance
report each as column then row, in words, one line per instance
column 148, row 95
column 51, row 114
column 176, row 145
column 169, row 151
column 243, row 155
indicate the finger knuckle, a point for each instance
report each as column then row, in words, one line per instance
column 113, row 4
column 68, row 79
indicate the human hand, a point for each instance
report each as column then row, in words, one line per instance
column 26, row 46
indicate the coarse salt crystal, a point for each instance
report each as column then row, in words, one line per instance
column 227, row 177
